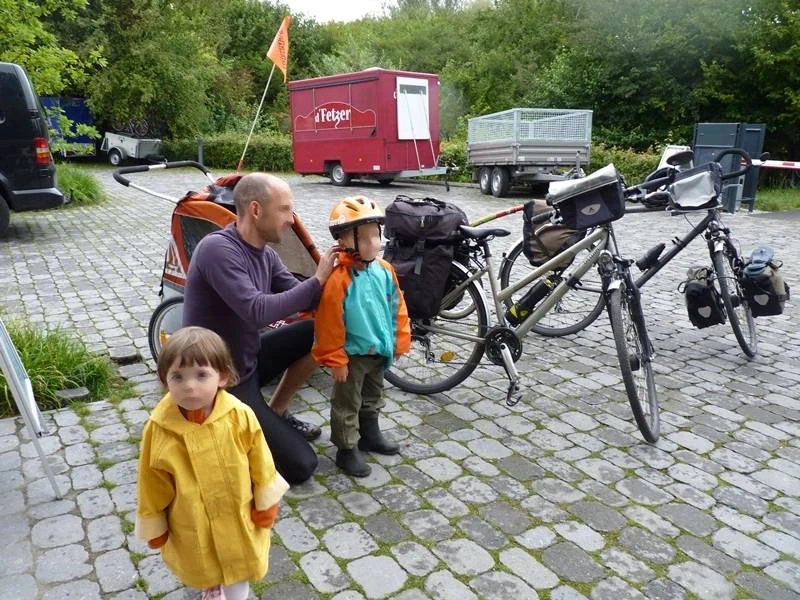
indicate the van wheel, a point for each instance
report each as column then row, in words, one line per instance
column 500, row 182
column 5, row 215
column 338, row 175
column 114, row 157
column 485, row 180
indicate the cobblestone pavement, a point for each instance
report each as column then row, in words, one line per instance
column 556, row 498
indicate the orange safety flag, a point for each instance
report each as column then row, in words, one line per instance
column 279, row 50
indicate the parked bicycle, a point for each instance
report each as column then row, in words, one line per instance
column 580, row 309
column 447, row 348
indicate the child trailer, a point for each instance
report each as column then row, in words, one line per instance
column 194, row 216
column 376, row 124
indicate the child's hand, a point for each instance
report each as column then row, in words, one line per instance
column 339, row 374
column 265, row 518
column 159, row 541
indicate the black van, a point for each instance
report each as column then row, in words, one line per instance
column 27, row 171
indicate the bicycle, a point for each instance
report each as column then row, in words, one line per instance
column 448, row 348
column 726, row 259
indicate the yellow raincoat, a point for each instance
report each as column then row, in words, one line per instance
column 199, row 482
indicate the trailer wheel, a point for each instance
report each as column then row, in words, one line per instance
column 500, row 182
column 338, row 175
column 384, row 181
column 485, row 180
column 114, row 157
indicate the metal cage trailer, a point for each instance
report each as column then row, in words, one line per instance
column 527, row 146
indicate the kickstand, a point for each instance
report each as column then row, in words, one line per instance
column 514, row 393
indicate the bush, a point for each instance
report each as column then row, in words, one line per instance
column 454, row 153
column 223, row 151
column 634, row 166
column 80, row 187
column 55, row 361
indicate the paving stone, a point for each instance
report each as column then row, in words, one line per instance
column 122, row 473
column 482, row 532
column 603, row 493
column 764, row 587
column 692, row 476
column 781, row 542
column 62, row 564
column 378, row 576
column 693, row 442
column 651, row 521
column 785, row 521
column 321, row 513
column 17, row 558
column 156, row 575
column 479, row 467
column 557, row 491
column 598, row 516
column 79, row 454
column 116, row 432
column 359, row 503
column 701, row 580
column 642, row 492
column 428, row 525
column 572, row 563
column 323, row 572
column 488, row 448
column 510, row 487
column 778, row 480
column 295, row 535
column 105, row 533
column 580, row 534
column 472, row 489
column 464, row 556
column 745, row 502
column 409, row 475
column 124, row 497
column 441, row 585
column 348, row 540
column 709, row 556
column 663, row 589
column 440, row 468
column 385, row 529
column 565, row 592
column 737, row 520
column 528, row 568
column 691, row 519
column 118, row 451
column 614, row 588
column 86, row 477
column 626, row 566
column 95, row 503
column 647, row 546
column 75, row 590
column 536, row 538
column 743, row 547
column 734, row 461
column 787, row 572
column 115, row 570
column 50, row 509
column 502, row 586
column 10, row 461
column 397, row 498
column 509, row 519
column 19, row 587
column 415, row 558
column 445, row 503
column 601, row 470
column 57, row 531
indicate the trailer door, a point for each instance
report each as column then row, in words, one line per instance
column 412, row 109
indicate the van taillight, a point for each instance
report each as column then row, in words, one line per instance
column 42, row 148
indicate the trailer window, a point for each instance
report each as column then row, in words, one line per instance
column 413, row 118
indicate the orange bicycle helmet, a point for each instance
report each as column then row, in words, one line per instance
column 352, row 212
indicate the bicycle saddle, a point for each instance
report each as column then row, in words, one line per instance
column 481, row 233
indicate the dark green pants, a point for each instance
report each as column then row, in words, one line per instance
column 361, row 394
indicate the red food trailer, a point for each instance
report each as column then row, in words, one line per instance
column 377, row 124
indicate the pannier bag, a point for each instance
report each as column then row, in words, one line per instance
column 549, row 240
column 591, row 201
column 763, row 284
column 697, row 188
column 422, row 234
column 703, row 302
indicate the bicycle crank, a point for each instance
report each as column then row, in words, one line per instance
column 504, row 348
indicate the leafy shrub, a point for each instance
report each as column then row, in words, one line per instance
column 223, row 151
column 55, row 361
column 634, row 166
column 80, row 187
column 454, row 153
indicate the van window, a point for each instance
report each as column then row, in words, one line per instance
column 14, row 116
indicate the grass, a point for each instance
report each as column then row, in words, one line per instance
column 777, row 199
column 54, row 361
column 79, row 187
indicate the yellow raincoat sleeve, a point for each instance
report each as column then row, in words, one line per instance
column 268, row 485
column 155, row 490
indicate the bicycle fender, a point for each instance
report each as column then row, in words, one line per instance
column 614, row 285
column 719, row 245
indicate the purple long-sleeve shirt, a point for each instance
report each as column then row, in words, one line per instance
column 236, row 289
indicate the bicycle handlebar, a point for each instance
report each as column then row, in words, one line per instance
column 736, row 152
column 118, row 174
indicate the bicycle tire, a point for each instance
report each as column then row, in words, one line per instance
column 163, row 323
column 430, row 367
column 628, row 336
column 575, row 304
column 737, row 309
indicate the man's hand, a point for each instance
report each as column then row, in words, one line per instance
column 339, row 374
column 326, row 264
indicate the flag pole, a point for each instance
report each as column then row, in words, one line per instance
column 253, row 126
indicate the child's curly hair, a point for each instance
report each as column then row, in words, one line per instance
column 197, row 345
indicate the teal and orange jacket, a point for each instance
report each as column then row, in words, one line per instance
column 361, row 312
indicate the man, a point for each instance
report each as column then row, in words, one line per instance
column 236, row 286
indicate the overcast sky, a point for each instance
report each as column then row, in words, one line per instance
column 323, row 11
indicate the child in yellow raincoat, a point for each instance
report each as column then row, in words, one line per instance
column 208, row 491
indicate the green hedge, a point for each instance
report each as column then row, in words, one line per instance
column 223, row 151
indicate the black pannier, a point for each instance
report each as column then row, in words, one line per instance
column 763, row 284
column 422, row 235
column 703, row 302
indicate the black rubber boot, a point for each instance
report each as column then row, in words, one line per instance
column 373, row 440
column 351, row 461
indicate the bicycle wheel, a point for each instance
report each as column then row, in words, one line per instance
column 631, row 341
column 438, row 360
column 576, row 310
column 167, row 319
column 736, row 307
